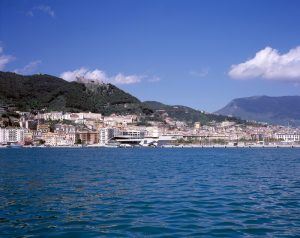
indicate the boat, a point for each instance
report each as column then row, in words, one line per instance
column 16, row 146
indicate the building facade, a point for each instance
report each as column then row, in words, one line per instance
column 106, row 134
column 288, row 137
column 11, row 135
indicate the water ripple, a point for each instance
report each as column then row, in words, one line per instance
column 150, row 192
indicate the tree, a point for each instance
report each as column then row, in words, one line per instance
column 42, row 142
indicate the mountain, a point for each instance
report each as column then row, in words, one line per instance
column 45, row 91
column 276, row 110
column 187, row 114
column 42, row 91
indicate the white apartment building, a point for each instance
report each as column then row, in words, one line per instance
column 82, row 116
column 106, row 134
column 50, row 116
column 288, row 137
column 69, row 116
column 11, row 135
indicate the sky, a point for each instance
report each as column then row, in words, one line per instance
column 200, row 54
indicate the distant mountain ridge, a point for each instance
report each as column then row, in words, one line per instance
column 282, row 110
column 187, row 114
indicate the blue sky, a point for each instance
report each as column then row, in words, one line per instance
column 176, row 52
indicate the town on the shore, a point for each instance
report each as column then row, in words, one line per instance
column 86, row 129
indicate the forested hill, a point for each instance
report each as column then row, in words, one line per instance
column 52, row 93
column 41, row 91
column 189, row 115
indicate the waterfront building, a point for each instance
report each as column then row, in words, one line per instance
column 125, row 136
column 106, row 135
column 49, row 138
column 59, row 139
column 11, row 135
column 87, row 137
column 130, row 134
column 37, row 135
column 288, row 137
column 28, row 137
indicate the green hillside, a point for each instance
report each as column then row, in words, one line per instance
column 41, row 91
column 187, row 114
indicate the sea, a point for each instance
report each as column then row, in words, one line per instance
column 150, row 192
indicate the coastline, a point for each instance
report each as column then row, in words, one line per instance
column 165, row 146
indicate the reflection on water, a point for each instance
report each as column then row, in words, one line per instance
column 150, row 192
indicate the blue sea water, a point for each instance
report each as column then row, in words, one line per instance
column 151, row 192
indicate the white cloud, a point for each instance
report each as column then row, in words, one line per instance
column 4, row 59
column 154, row 79
column 42, row 8
column 200, row 74
column 29, row 68
column 100, row 76
column 270, row 64
column 96, row 75
column 123, row 79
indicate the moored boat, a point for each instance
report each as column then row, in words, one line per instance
column 16, row 146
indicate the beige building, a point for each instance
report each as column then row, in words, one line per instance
column 87, row 137
column 197, row 125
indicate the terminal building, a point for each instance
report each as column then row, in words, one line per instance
column 108, row 135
